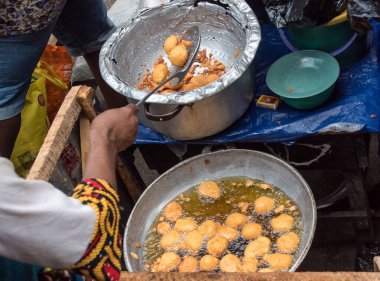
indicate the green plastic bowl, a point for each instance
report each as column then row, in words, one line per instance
column 330, row 37
column 303, row 79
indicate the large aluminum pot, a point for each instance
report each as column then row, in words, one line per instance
column 226, row 27
column 210, row 166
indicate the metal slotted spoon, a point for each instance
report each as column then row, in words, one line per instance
column 192, row 34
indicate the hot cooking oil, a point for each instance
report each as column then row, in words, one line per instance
column 234, row 190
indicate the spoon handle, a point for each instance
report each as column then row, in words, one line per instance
column 143, row 100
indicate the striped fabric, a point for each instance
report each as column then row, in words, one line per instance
column 101, row 260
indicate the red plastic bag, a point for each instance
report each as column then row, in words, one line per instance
column 62, row 63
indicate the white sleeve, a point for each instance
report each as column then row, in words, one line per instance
column 39, row 224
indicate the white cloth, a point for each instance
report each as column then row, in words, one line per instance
column 39, row 224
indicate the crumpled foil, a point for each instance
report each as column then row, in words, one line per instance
column 226, row 26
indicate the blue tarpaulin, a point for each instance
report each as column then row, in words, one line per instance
column 354, row 106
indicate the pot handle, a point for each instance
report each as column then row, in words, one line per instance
column 162, row 117
column 333, row 53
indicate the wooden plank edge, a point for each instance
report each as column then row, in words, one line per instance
column 57, row 137
column 85, row 98
column 128, row 179
column 84, row 130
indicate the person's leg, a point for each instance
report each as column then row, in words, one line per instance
column 19, row 56
column 83, row 27
column 9, row 129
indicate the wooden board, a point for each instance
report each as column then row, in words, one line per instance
column 84, row 127
column 57, row 137
column 304, row 276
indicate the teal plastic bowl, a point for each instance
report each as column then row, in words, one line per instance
column 303, row 79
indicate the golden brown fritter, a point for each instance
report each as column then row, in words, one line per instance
column 265, row 186
column 251, row 230
column 282, row 223
column 173, row 211
column 278, row 261
column 170, row 240
column 279, row 209
column 189, row 264
column 227, row 232
column 186, row 43
column 235, row 220
column 264, row 204
column 248, row 266
column 185, row 225
column 167, row 262
column 208, row 228
column 229, row 263
column 170, row 43
column 257, row 248
column 212, row 69
column 179, row 55
column 287, row 243
column 243, row 206
column 217, row 245
column 209, row 189
column 249, row 183
column 163, row 227
column 208, row 263
column 160, row 73
column 194, row 241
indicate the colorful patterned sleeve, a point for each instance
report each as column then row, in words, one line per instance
column 102, row 259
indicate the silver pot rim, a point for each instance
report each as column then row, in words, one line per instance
column 302, row 253
column 253, row 37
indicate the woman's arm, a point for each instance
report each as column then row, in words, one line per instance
column 41, row 225
column 111, row 132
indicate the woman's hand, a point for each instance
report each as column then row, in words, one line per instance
column 115, row 127
column 112, row 131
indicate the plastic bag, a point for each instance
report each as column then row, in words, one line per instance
column 360, row 12
column 34, row 121
column 68, row 170
column 59, row 59
column 365, row 9
column 303, row 13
